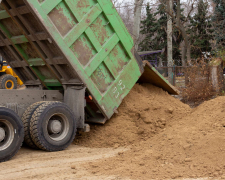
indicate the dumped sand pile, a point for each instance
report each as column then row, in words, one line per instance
column 165, row 139
column 144, row 112
column 189, row 145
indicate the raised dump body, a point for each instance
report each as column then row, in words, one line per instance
column 51, row 43
column 78, row 52
column 56, row 43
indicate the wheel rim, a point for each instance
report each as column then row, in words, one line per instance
column 58, row 127
column 9, row 84
column 6, row 134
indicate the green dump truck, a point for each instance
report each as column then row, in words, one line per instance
column 77, row 61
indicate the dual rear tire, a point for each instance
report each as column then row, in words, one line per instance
column 49, row 126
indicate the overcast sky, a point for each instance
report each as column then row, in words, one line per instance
column 153, row 2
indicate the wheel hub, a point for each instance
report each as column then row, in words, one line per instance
column 9, row 84
column 2, row 134
column 55, row 126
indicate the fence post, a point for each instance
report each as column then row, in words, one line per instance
column 214, row 77
column 174, row 75
column 186, row 76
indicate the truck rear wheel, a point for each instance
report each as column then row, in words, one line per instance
column 7, row 81
column 11, row 133
column 52, row 126
column 26, row 123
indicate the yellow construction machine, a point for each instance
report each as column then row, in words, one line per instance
column 8, row 78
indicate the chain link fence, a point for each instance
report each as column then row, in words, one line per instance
column 196, row 82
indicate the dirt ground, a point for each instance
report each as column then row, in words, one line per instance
column 64, row 165
column 154, row 136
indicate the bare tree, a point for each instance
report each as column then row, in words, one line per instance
column 137, row 21
column 176, row 16
column 117, row 5
column 125, row 10
column 128, row 16
column 131, row 13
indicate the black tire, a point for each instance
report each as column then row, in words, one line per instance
column 41, row 132
column 12, row 126
column 7, row 81
column 26, row 124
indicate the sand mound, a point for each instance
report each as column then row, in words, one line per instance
column 189, row 146
column 144, row 112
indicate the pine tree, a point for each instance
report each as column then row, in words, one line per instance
column 160, row 39
column 200, row 31
column 219, row 22
column 148, row 30
column 155, row 31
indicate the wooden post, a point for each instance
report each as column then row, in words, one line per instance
column 214, row 77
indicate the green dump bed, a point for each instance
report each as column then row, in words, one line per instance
column 56, row 43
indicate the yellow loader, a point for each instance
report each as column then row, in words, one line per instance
column 8, row 78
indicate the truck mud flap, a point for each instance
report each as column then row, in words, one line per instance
column 152, row 76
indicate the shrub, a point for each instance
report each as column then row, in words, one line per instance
column 198, row 84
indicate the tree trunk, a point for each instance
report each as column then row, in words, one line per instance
column 160, row 62
column 170, row 44
column 137, row 21
column 180, row 26
column 188, row 54
column 183, row 54
column 187, row 48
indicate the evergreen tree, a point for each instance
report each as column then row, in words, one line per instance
column 155, row 31
column 200, row 31
column 147, row 29
column 219, row 22
column 160, row 38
